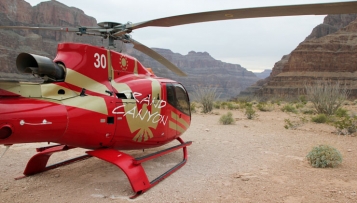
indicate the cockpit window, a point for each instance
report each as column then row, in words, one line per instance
column 177, row 97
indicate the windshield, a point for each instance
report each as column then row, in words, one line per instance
column 178, row 97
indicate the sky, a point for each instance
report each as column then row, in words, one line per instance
column 256, row 44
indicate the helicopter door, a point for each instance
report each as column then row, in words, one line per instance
column 178, row 99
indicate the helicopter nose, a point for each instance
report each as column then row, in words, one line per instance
column 5, row 131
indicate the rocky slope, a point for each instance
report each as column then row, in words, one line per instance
column 21, row 13
column 203, row 70
column 329, row 52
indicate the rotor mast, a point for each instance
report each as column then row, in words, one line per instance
column 114, row 31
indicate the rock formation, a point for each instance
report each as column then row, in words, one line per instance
column 329, row 52
column 203, row 70
column 21, row 13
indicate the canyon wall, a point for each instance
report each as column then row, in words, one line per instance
column 329, row 53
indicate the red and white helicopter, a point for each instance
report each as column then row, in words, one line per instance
column 105, row 101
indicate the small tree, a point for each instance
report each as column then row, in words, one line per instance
column 206, row 96
column 327, row 96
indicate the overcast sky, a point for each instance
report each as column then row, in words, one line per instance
column 255, row 44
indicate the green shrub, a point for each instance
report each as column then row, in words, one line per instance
column 248, row 104
column 227, row 119
column 324, row 156
column 217, row 105
column 289, row 108
column 223, row 105
column 321, row 118
column 299, row 105
column 263, row 106
column 193, row 107
column 250, row 112
column 346, row 125
column 289, row 124
column 294, row 124
column 302, row 99
column 242, row 105
column 232, row 106
column 340, row 112
column 307, row 111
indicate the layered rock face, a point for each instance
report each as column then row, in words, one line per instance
column 21, row 13
column 203, row 70
column 329, row 52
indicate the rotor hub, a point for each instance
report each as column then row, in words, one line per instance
column 108, row 25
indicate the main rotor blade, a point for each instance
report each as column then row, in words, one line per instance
column 81, row 30
column 153, row 54
column 64, row 29
column 292, row 10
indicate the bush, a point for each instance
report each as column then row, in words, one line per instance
column 250, row 112
column 324, row 156
column 232, row 106
column 289, row 108
column 223, row 105
column 206, row 96
column 193, row 107
column 321, row 118
column 217, row 105
column 227, row 119
column 346, row 125
column 263, row 106
column 299, row 105
column 290, row 125
column 327, row 96
column 243, row 105
column 307, row 111
column 294, row 124
column 302, row 99
column 341, row 113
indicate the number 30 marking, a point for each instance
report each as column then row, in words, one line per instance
column 100, row 61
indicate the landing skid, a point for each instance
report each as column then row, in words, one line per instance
column 132, row 166
column 129, row 165
column 38, row 163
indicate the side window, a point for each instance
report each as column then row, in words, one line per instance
column 171, row 98
column 177, row 97
column 182, row 99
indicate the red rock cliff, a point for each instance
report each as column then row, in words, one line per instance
column 329, row 52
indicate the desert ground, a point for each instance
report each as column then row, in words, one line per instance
column 251, row 161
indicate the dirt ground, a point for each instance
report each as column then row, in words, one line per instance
column 251, row 161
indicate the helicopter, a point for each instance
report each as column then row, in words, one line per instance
column 107, row 102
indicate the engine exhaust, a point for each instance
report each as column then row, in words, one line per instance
column 39, row 65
